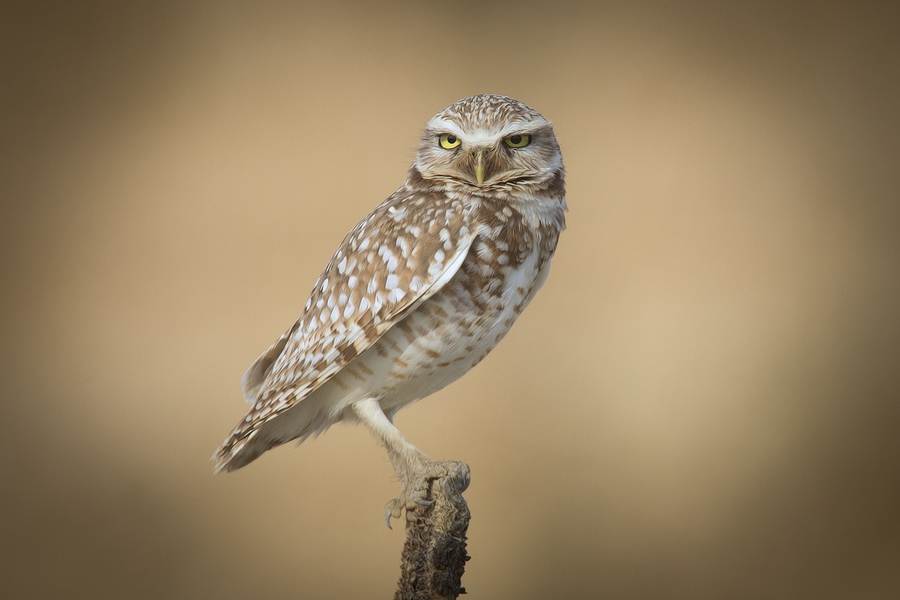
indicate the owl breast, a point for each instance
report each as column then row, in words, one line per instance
column 446, row 335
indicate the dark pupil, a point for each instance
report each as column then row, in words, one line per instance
column 516, row 139
column 451, row 139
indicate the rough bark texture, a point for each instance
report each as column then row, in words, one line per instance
column 434, row 556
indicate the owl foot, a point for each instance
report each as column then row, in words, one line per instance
column 417, row 480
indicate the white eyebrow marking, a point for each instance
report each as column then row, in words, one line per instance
column 482, row 137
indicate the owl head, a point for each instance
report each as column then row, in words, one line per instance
column 489, row 143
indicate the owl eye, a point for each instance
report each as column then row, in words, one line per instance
column 518, row 141
column 449, row 141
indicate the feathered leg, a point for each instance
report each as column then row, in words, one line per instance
column 415, row 470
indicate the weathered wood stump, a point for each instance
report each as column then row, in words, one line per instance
column 434, row 556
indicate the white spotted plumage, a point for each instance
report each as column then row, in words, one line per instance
column 419, row 291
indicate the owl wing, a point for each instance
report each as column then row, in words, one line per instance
column 396, row 258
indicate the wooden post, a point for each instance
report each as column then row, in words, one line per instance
column 434, row 556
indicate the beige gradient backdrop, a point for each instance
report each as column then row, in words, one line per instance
column 702, row 403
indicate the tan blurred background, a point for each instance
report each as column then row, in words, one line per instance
column 703, row 402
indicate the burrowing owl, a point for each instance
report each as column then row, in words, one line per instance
column 417, row 293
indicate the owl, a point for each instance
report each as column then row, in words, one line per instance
column 418, row 292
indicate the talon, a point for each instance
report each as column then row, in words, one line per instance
column 465, row 476
column 393, row 510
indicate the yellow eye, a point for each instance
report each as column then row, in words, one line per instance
column 449, row 141
column 518, row 141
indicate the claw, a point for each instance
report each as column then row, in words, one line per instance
column 393, row 510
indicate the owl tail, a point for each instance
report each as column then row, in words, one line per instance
column 306, row 418
column 233, row 454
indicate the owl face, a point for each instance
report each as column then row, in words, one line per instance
column 489, row 142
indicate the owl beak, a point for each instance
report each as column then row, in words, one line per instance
column 479, row 167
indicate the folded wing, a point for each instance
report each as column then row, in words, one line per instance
column 400, row 255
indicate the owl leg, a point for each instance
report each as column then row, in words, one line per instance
column 415, row 470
